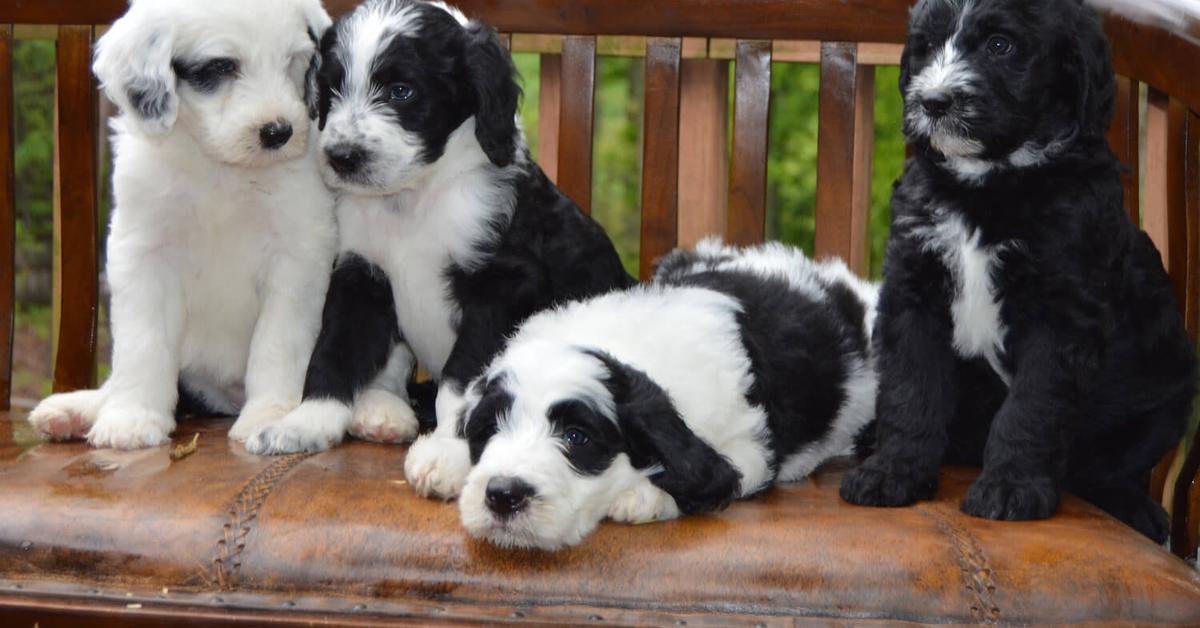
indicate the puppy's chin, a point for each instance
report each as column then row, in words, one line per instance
column 548, row 523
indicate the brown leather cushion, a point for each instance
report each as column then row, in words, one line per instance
column 340, row 532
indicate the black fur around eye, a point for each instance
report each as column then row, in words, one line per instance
column 999, row 46
column 401, row 93
column 576, row 437
column 206, row 76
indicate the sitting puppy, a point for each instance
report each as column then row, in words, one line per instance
column 1024, row 323
column 222, row 235
column 450, row 234
column 736, row 369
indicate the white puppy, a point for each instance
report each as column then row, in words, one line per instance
column 223, row 234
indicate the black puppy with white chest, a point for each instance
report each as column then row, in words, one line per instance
column 1024, row 323
column 450, row 234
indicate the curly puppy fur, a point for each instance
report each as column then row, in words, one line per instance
column 1024, row 324
column 736, row 369
column 450, row 234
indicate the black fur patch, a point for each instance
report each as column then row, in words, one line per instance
column 358, row 331
column 206, row 75
column 601, row 440
column 694, row 474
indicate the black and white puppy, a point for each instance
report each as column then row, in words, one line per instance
column 450, row 234
column 1024, row 322
column 734, row 370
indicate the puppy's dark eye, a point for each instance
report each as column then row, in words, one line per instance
column 999, row 46
column 206, row 76
column 401, row 92
column 576, row 437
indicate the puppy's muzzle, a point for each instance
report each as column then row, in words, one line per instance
column 345, row 159
column 275, row 135
column 507, row 496
column 937, row 104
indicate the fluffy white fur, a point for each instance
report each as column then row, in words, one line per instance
column 697, row 357
column 978, row 329
column 219, row 250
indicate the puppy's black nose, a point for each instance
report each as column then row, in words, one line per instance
column 345, row 159
column 507, row 496
column 937, row 104
column 275, row 134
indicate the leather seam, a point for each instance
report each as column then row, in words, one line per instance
column 243, row 511
column 972, row 562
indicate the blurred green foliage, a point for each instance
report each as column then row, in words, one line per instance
column 792, row 154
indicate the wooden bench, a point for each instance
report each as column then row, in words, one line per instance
column 117, row 538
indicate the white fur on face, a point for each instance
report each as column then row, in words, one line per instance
column 268, row 39
column 947, row 74
column 566, row 505
column 978, row 328
column 697, row 357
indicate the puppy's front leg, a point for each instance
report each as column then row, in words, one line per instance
column 438, row 463
column 917, row 384
column 358, row 331
column 283, row 340
column 1026, row 454
column 138, row 406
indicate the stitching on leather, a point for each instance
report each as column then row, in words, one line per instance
column 973, row 563
column 227, row 563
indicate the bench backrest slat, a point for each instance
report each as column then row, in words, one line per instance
column 8, row 215
column 576, row 118
column 845, row 145
column 75, row 179
column 1163, row 214
column 751, row 120
column 660, row 151
column 1124, row 136
column 703, row 149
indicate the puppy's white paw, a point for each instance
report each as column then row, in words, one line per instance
column 643, row 503
column 256, row 414
column 66, row 416
column 129, row 426
column 381, row 417
column 314, row 426
column 437, row 466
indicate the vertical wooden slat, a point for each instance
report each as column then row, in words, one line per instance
column 505, row 41
column 8, row 215
column 75, row 211
column 1123, row 138
column 845, row 146
column 751, row 119
column 576, row 119
column 1185, row 511
column 703, row 150
column 660, row 152
column 549, row 114
column 1164, row 215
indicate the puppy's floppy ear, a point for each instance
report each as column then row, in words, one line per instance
column 319, row 87
column 318, row 25
column 133, row 63
column 699, row 478
column 1091, row 71
column 493, row 79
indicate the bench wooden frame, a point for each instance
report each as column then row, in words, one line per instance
column 686, row 45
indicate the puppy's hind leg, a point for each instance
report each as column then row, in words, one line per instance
column 358, row 330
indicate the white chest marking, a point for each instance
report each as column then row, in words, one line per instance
column 978, row 329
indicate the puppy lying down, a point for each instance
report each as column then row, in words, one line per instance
column 735, row 369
